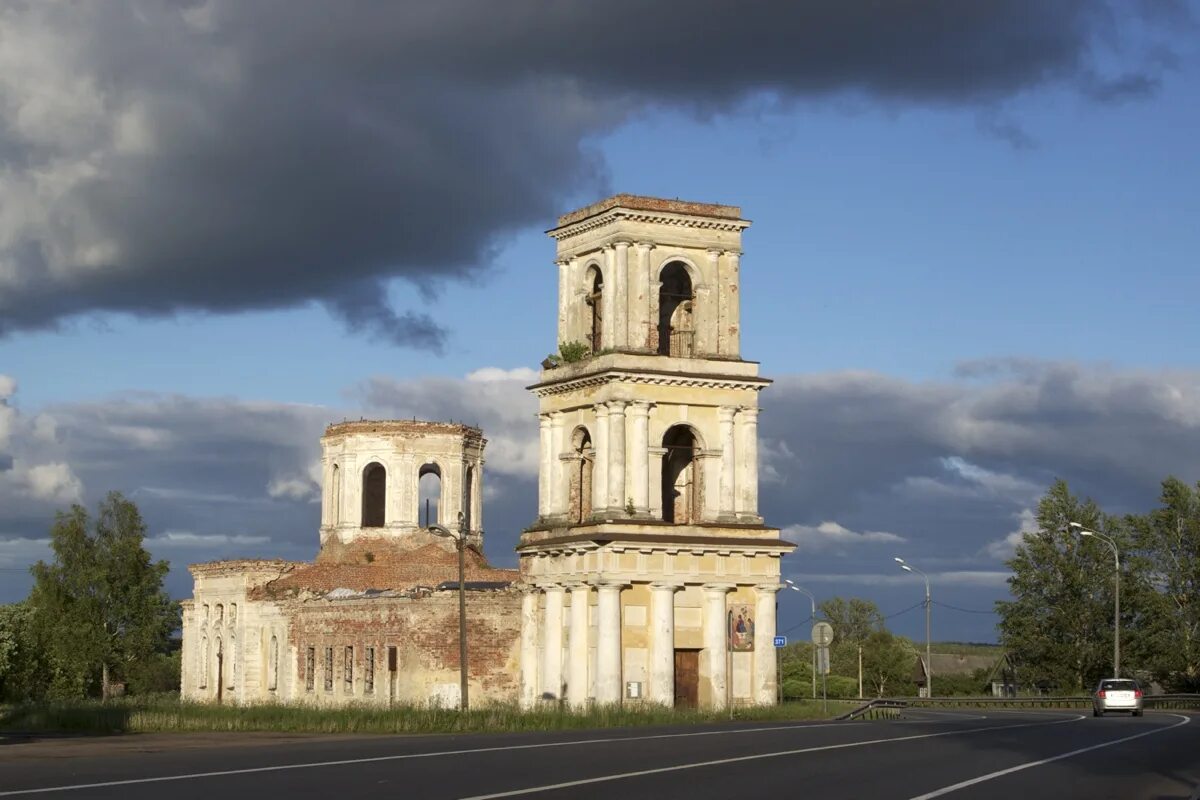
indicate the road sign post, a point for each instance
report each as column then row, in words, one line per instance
column 822, row 636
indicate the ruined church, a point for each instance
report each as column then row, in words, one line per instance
column 648, row 575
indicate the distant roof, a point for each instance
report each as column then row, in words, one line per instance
column 399, row 426
column 642, row 203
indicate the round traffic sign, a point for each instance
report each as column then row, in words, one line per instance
column 822, row 634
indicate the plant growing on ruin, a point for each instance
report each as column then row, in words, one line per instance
column 570, row 352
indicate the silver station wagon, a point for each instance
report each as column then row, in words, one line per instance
column 1117, row 694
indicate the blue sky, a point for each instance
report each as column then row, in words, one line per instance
column 962, row 296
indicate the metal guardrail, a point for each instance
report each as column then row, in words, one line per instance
column 881, row 708
column 1166, row 701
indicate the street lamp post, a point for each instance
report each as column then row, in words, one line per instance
column 812, row 622
column 460, row 542
column 928, row 607
column 1082, row 531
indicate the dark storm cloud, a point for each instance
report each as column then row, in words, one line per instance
column 157, row 157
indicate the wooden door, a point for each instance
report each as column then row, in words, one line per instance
column 687, row 678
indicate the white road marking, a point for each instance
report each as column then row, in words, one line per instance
column 403, row 756
column 999, row 773
column 717, row 762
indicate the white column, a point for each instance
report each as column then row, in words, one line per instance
column 747, row 447
column 656, row 471
column 545, row 465
column 616, row 460
column 725, row 415
column 662, row 643
column 477, row 498
column 639, row 457
column 732, row 327
column 715, row 641
column 718, row 309
column 564, row 300
column 621, row 320
column 552, row 627
column 639, row 324
column 529, row 651
column 351, row 515
column 610, row 299
column 559, row 491
column 600, row 465
column 577, row 646
column 608, row 644
column 764, row 687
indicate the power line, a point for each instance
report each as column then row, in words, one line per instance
column 964, row 610
column 905, row 611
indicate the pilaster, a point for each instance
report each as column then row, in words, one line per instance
column 577, row 644
column 662, row 642
column 765, row 687
column 616, row 461
column 529, row 647
column 716, row 642
column 552, row 642
column 608, row 644
column 600, row 466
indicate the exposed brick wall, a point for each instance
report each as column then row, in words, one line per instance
column 424, row 632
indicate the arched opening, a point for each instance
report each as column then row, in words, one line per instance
column 594, row 283
column 219, row 619
column 429, row 494
column 374, row 496
column 335, row 496
column 580, row 485
column 468, row 489
column 682, row 481
column 234, row 668
column 676, row 325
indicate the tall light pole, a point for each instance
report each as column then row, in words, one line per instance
column 928, row 606
column 460, row 542
column 1082, row 531
column 812, row 621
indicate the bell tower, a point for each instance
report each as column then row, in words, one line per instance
column 648, row 477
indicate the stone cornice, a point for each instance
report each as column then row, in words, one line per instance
column 618, row 214
column 646, row 378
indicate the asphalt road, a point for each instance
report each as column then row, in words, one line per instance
column 929, row 754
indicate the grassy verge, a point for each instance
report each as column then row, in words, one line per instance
column 132, row 716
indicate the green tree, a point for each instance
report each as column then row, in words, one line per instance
column 1167, row 542
column 1058, row 626
column 887, row 663
column 99, row 606
column 854, row 622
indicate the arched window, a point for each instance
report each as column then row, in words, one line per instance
column 676, row 328
column 429, row 494
column 374, row 495
column 580, row 484
column 594, row 283
column 234, row 668
column 220, row 615
column 682, row 480
column 335, row 496
column 220, row 676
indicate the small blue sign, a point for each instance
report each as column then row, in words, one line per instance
column 781, row 641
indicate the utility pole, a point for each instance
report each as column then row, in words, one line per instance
column 904, row 565
column 860, row 696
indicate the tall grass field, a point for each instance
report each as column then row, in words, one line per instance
column 167, row 715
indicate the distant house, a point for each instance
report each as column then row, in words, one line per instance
column 1000, row 679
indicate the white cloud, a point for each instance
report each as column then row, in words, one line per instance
column 1004, row 549
column 523, row 375
column 8, row 386
column 830, row 535
column 55, row 483
column 187, row 539
column 294, row 489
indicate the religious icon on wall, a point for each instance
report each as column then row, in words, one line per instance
column 741, row 628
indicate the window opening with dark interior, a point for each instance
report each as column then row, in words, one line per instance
column 595, row 300
column 676, row 326
column 374, row 495
column 580, row 485
column 681, row 480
